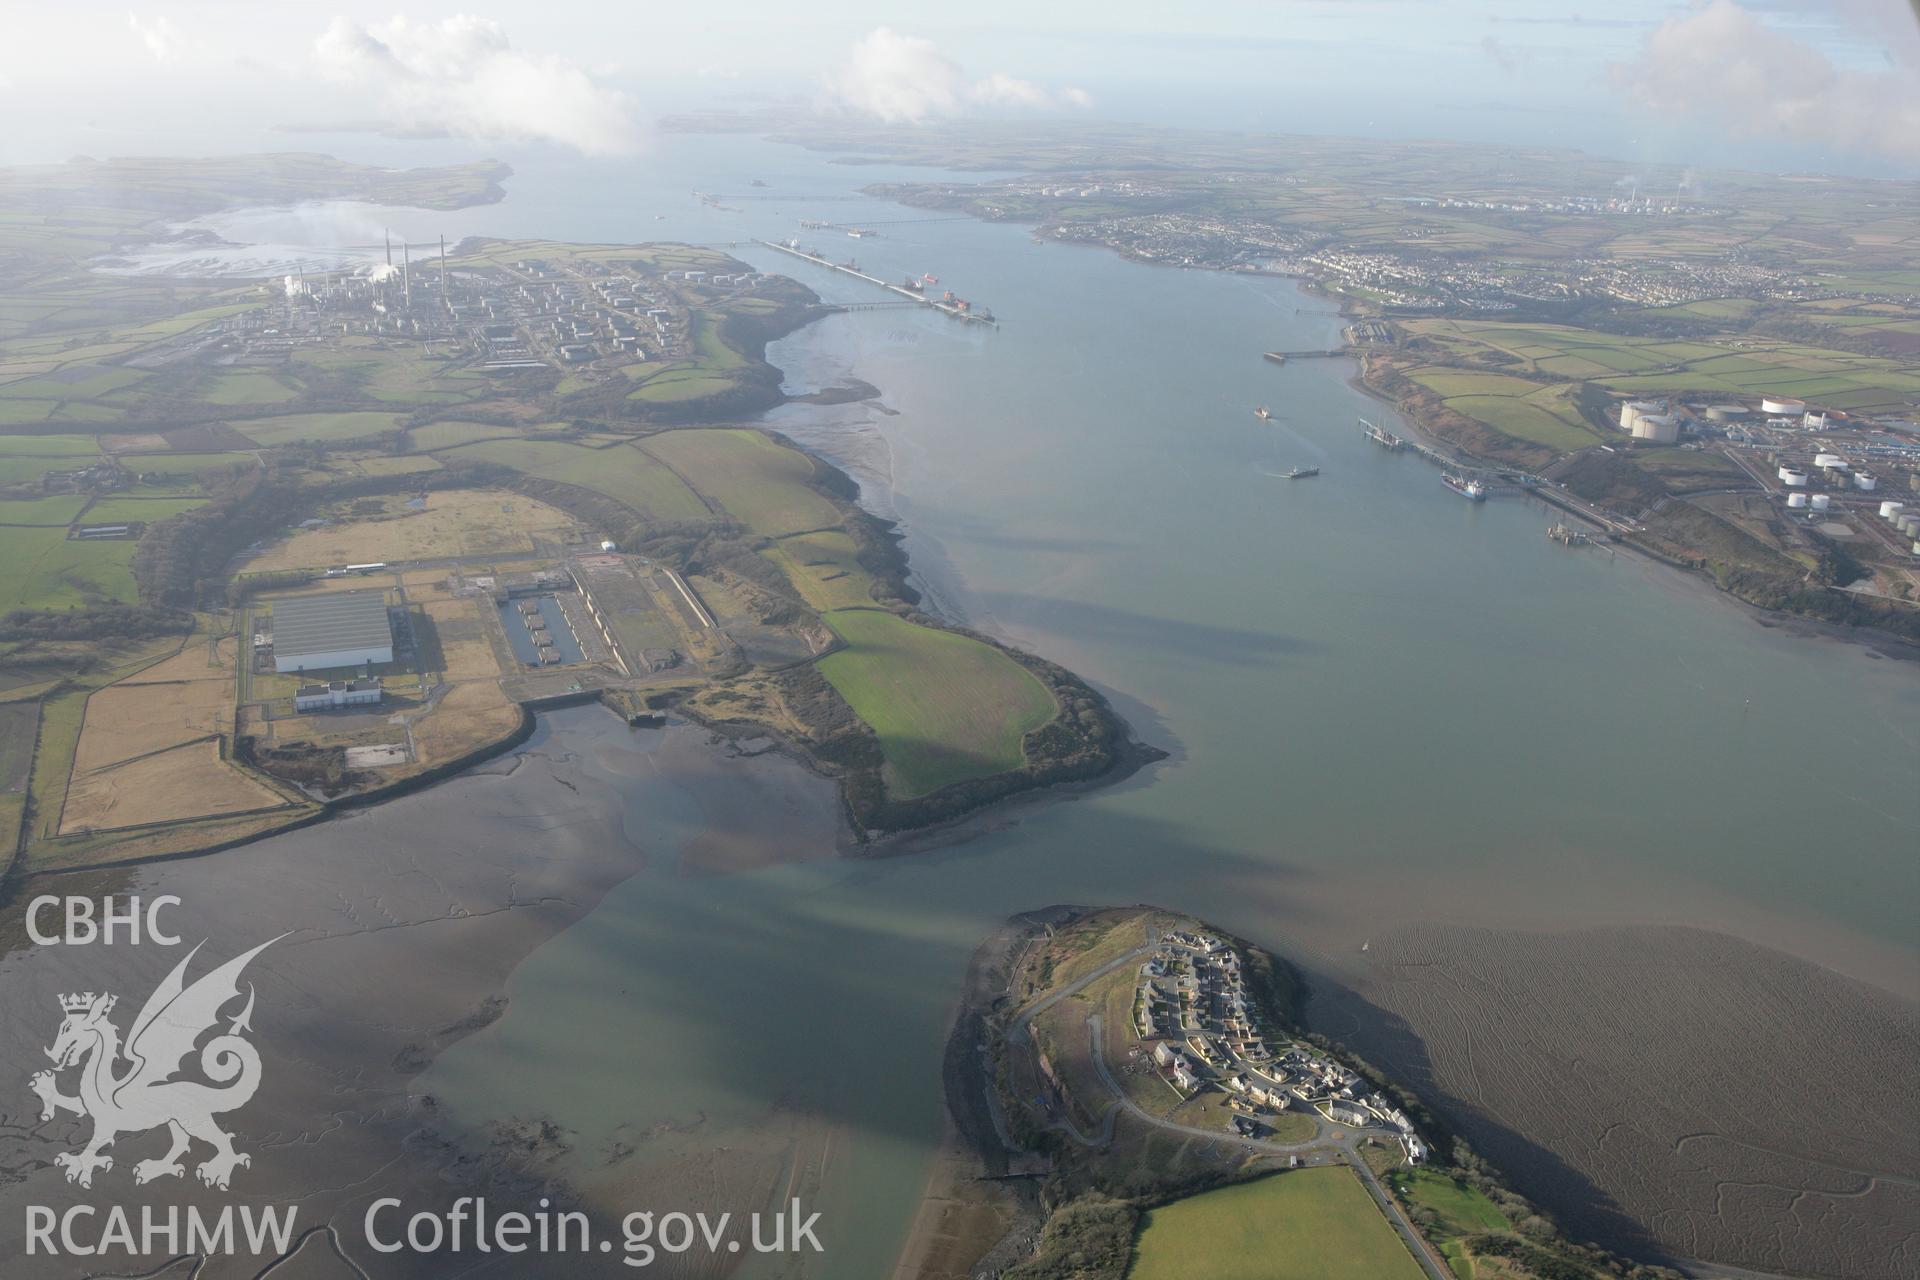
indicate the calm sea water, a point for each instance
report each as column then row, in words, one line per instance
column 1383, row 703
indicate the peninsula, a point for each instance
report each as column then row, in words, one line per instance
column 284, row 546
column 1123, row 1083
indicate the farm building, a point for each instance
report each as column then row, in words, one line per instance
column 343, row 629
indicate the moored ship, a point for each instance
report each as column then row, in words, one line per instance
column 1472, row 490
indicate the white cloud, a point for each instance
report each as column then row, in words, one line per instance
column 1722, row 62
column 463, row 76
column 906, row 79
column 159, row 35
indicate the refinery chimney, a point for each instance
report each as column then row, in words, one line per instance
column 406, row 274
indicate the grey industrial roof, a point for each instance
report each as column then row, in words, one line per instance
column 329, row 623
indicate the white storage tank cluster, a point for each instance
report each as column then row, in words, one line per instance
column 1865, row 481
column 1888, row 510
column 1824, row 460
column 1791, row 478
column 1796, row 500
column 1656, row 428
column 1633, row 410
column 1821, row 502
column 1783, row 408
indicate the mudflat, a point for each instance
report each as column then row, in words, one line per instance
column 1669, row 1091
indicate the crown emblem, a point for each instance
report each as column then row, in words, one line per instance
column 80, row 1002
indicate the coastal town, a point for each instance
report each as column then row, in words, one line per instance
column 1194, row 1016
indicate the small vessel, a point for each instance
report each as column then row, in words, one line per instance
column 1275, row 356
column 1261, row 413
column 1301, row 473
column 1471, row 490
column 930, row 278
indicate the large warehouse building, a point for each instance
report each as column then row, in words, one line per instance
column 343, row 629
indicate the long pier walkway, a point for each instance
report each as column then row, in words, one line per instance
column 957, row 311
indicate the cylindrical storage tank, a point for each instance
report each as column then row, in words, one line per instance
column 1634, row 410
column 1821, row 502
column 1793, row 479
column 1828, row 460
column 1725, row 412
column 1866, row 481
column 1814, row 422
column 1907, row 524
column 1888, row 510
column 1796, row 500
column 1656, row 428
column 1783, row 407
column 1916, row 547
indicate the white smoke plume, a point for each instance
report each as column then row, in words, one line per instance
column 462, row 76
column 293, row 287
column 383, row 271
column 1721, row 62
column 905, row 79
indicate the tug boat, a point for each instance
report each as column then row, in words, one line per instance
column 1301, row 473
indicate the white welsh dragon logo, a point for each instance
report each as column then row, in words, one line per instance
column 145, row 1095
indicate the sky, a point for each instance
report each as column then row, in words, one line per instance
column 1766, row 84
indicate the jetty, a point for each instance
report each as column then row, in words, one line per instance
column 1487, row 483
column 947, row 304
column 1281, row 357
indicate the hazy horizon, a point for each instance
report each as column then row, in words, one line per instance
column 1772, row 85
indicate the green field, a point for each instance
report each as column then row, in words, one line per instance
column 1307, row 1224
column 19, row 469
column 825, row 568
column 668, row 390
column 47, row 446
column 449, row 435
column 621, row 472
column 946, row 707
column 1524, row 420
column 117, row 509
column 184, row 464
column 329, row 427
column 54, row 512
column 762, row 484
column 43, row 569
column 1458, row 1211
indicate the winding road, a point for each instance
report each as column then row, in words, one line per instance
column 1328, row 1138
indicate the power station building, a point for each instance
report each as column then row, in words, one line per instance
column 324, row 632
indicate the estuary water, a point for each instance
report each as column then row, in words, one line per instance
column 1384, row 706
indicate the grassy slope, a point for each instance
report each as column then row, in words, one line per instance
column 946, row 707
